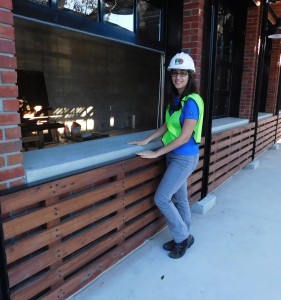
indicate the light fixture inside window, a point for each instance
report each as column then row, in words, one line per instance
column 277, row 33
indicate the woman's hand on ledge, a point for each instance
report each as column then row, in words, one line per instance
column 138, row 143
column 148, row 154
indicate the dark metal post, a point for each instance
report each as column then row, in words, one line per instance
column 264, row 13
column 277, row 107
column 209, row 96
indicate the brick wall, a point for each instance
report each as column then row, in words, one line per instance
column 192, row 40
column 250, row 62
column 11, row 168
column 273, row 79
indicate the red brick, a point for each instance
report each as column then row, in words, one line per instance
column 9, row 119
column 1, row 133
column 191, row 19
column 8, row 62
column 8, row 91
column 7, row 46
column 12, row 146
column 7, row 32
column 15, row 159
column 8, row 77
column 6, row 17
column 11, row 173
column 3, row 186
column 17, row 182
column 13, row 133
column 2, row 162
column 190, row 6
column 11, row 105
column 6, row 4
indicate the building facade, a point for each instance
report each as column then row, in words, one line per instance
column 61, row 226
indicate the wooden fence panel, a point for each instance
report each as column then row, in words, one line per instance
column 60, row 235
column 231, row 150
column 266, row 134
column 58, row 231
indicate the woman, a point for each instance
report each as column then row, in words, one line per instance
column 181, row 135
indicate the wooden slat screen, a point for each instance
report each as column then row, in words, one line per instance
column 265, row 134
column 60, row 235
column 231, row 150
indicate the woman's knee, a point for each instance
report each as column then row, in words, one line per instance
column 161, row 200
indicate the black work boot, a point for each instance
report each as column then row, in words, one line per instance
column 169, row 246
column 180, row 248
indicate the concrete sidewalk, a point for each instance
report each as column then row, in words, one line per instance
column 236, row 254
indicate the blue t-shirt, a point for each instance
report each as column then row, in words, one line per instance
column 190, row 110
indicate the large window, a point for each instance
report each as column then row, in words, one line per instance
column 139, row 22
column 106, row 87
column 229, row 56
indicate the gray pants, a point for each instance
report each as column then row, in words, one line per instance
column 171, row 195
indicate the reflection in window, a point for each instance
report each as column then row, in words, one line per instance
column 82, row 7
column 223, row 76
column 149, row 20
column 119, row 13
column 44, row 2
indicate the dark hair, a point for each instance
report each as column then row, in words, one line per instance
column 190, row 88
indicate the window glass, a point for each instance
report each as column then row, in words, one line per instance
column 149, row 20
column 231, row 26
column 224, row 63
column 100, row 84
column 44, row 2
column 87, row 8
column 119, row 13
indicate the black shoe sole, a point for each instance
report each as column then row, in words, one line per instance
column 190, row 242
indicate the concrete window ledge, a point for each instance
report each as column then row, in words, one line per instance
column 223, row 124
column 263, row 115
column 57, row 162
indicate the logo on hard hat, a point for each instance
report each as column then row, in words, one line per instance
column 178, row 61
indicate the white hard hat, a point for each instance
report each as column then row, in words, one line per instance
column 182, row 61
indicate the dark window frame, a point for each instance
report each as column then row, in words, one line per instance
column 56, row 17
column 231, row 97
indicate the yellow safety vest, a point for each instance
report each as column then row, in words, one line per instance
column 173, row 122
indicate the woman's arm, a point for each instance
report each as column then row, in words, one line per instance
column 186, row 133
column 156, row 134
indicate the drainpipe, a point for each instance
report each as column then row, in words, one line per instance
column 264, row 17
column 4, row 287
column 160, row 112
column 209, row 95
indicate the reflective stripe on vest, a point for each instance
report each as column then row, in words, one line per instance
column 173, row 122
